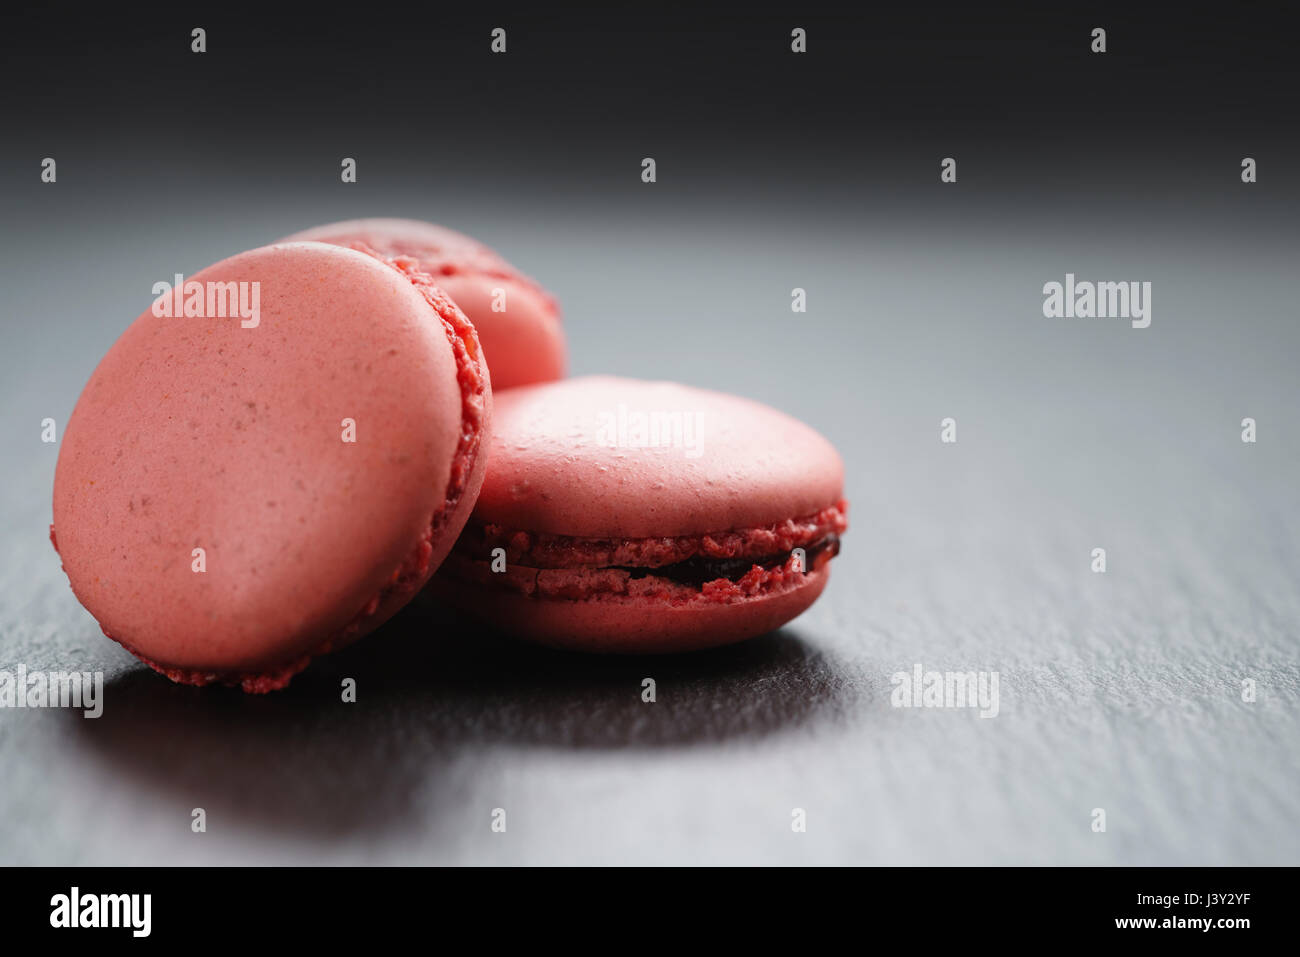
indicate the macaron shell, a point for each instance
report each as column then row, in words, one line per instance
column 441, row 251
column 518, row 323
column 568, row 459
column 626, row 626
column 199, row 433
column 523, row 342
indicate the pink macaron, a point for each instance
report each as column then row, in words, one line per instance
column 626, row 516
column 271, row 463
column 518, row 322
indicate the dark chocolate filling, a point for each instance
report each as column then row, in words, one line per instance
column 696, row 571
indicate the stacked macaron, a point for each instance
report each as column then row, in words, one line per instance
column 233, row 498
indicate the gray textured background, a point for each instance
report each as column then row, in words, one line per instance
column 1119, row 691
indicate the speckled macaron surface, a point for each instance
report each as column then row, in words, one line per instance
column 517, row 321
column 629, row 516
column 237, row 493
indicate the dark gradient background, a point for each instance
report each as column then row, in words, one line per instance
column 1119, row 691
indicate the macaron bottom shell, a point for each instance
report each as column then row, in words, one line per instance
column 633, row 625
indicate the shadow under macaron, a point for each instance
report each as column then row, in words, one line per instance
column 433, row 688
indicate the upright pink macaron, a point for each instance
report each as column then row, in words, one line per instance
column 627, row 516
column 518, row 322
column 272, row 464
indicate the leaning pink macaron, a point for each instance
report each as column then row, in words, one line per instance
column 518, row 322
column 236, row 495
column 626, row 516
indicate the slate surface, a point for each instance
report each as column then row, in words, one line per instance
column 1119, row 691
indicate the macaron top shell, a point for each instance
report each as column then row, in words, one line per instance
column 199, row 433
column 518, row 322
column 441, row 251
column 606, row 457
